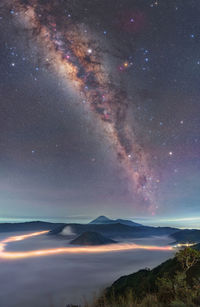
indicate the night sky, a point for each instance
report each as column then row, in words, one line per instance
column 100, row 110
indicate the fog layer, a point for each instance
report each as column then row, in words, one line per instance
column 64, row 279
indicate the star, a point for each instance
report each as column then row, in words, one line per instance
column 125, row 86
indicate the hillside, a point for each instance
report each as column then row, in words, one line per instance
column 173, row 283
column 197, row 246
column 91, row 238
column 187, row 235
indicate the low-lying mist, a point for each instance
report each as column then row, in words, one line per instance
column 65, row 279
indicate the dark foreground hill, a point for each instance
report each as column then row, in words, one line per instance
column 91, row 238
column 175, row 282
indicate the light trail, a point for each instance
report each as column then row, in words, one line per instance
column 23, row 237
column 70, row 249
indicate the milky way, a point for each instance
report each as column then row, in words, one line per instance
column 77, row 58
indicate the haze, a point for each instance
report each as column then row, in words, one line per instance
column 64, row 279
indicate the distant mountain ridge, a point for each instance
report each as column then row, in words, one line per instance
column 187, row 236
column 29, row 226
column 105, row 220
column 115, row 230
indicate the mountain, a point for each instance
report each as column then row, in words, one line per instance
column 91, row 238
column 187, row 235
column 143, row 280
column 115, row 230
column 29, row 226
column 104, row 220
column 127, row 222
column 109, row 230
column 173, row 283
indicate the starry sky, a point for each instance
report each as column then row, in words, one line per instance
column 100, row 109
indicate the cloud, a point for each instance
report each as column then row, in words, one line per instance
column 66, row 279
column 67, row 231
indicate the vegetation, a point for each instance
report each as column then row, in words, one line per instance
column 174, row 283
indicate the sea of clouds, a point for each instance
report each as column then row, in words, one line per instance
column 55, row 281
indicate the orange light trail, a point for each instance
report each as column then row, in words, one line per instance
column 70, row 250
column 23, row 237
